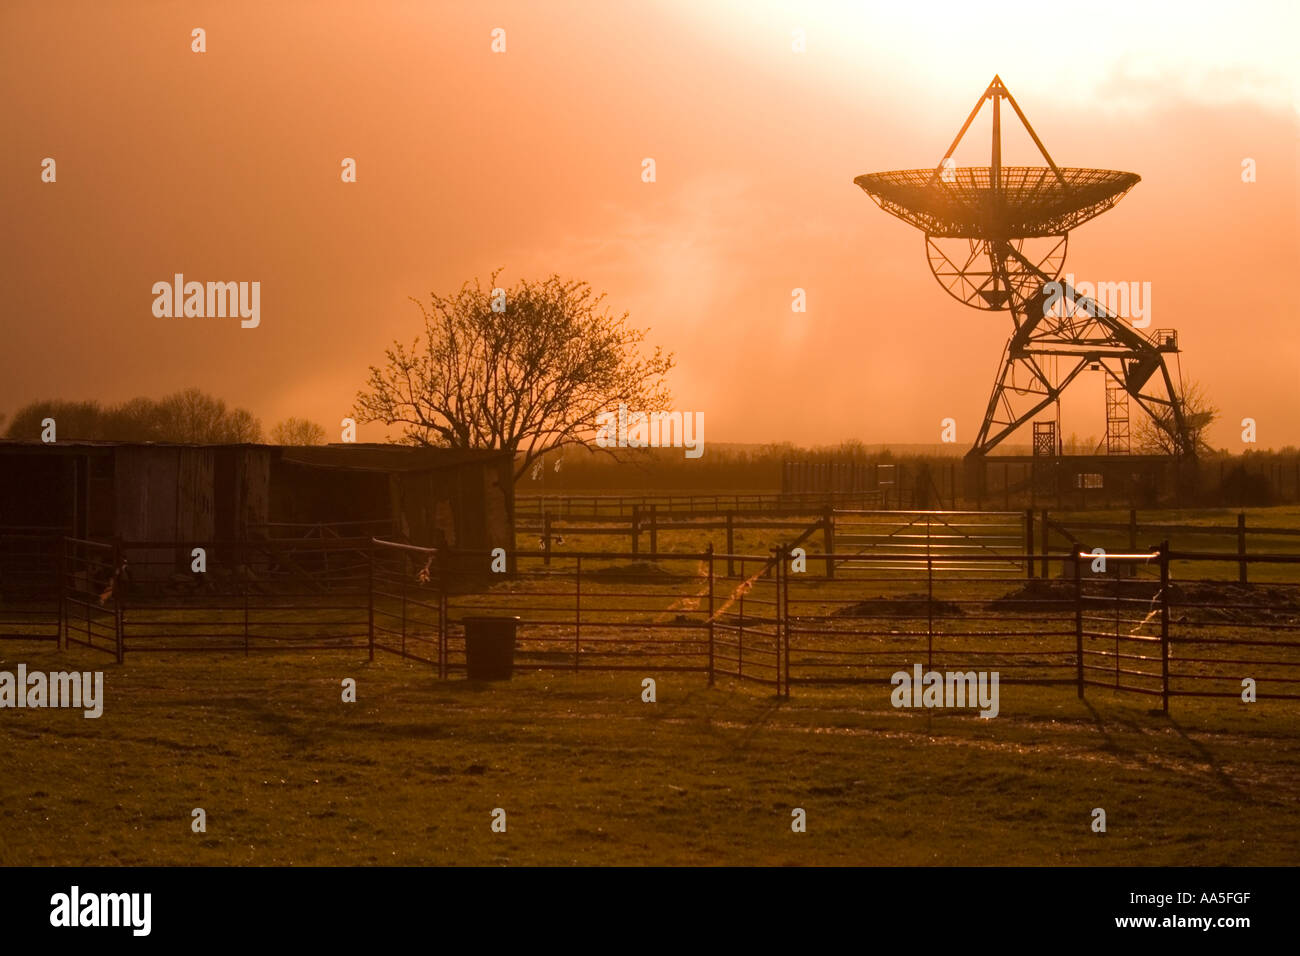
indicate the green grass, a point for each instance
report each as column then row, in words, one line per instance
column 588, row 773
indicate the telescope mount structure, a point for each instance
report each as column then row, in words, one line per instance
column 996, row 238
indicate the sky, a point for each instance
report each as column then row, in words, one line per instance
column 225, row 166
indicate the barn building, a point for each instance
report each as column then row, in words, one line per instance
column 159, row 492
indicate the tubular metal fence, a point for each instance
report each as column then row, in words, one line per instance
column 1153, row 622
column 29, row 576
column 946, row 538
column 668, row 507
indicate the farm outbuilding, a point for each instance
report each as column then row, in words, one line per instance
column 188, row 493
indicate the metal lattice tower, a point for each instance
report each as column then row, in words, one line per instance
column 1117, row 434
column 996, row 239
column 1045, row 440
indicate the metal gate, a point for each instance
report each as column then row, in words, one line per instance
column 954, row 541
column 29, row 590
column 1122, row 622
column 90, row 595
column 748, row 620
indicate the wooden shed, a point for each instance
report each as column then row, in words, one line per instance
column 137, row 492
column 428, row 496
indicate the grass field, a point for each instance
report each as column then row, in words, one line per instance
column 588, row 773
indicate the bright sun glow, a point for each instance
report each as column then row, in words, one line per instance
column 1130, row 54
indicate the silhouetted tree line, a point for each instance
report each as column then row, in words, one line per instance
column 723, row 467
column 1252, row 478
column 190, row 415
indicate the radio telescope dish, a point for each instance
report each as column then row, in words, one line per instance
column 995, row 236
column 976, row 202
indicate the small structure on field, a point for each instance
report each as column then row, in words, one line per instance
column 159, row 492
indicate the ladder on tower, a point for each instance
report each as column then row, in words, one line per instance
column 1117, row 432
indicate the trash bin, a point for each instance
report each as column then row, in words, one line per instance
column 490, row 647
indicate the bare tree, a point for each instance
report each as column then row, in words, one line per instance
column 192, row 415
column 1158, row 435
column 1074, row 445
column 298, row 431
column 525, row 370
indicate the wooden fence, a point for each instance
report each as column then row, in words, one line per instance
column 1233, row 542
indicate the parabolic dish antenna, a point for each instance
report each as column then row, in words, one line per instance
column 995, row 236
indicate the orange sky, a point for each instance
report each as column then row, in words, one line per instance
column 225, row 166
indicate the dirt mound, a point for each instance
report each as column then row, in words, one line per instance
column 906, row 605
column 1189, row 601
column 1217, row 601
column 1037, row 594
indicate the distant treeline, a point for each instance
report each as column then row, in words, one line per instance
column 1249, row 478
column 723, row 467
column 189, row 415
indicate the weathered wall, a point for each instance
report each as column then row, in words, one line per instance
column 164, row 493
column 305, row 494
column 469, row 506
column 37, row 491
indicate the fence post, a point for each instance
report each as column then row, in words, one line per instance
column 1029, row 540
column 247, row 576
column 785, row 618
column 710, row 553
column 370, row 602
column 1078, row 619
column 731, row 543
column 636, row 528
column 577, row 615
column 776, row 660
column 929, row 601
column 1241, row 546
column 85, row 605
column 546, row 539
column 740, row 631
column 654, row 527
column 443, row 666
column 1164, row 626
column 828, row 540
column 1047, row 573
column 117, row 600
column 61, row 571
